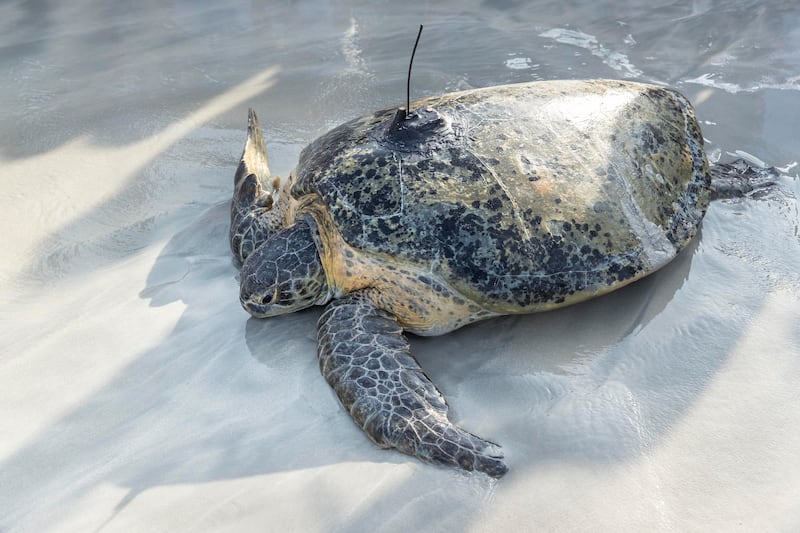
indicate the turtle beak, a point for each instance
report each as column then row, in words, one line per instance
column 258, row 304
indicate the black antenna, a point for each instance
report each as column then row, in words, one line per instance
column 408, row 80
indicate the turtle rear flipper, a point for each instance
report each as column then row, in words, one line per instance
column 256, row 213
column 366, row 359
column 739, row 178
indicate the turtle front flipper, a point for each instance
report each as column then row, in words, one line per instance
column 366, row 359
column 256, row 209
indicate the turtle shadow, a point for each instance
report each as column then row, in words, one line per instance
column 504, row 377
column 194, row 408
column 555, row 341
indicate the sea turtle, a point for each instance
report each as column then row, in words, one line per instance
column 503, row 200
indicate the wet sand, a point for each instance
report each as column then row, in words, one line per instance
column 138, row 395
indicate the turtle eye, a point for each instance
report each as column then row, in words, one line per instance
column 269, row 298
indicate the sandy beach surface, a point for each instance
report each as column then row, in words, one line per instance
column 137, row 395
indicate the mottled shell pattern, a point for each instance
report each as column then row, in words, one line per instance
column 517, row 198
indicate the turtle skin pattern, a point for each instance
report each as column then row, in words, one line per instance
column 367, row 360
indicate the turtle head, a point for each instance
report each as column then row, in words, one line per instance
column 284, row 274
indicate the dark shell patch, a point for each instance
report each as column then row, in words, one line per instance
column 519, row 195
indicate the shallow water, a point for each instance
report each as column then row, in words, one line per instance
column 137, row 395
